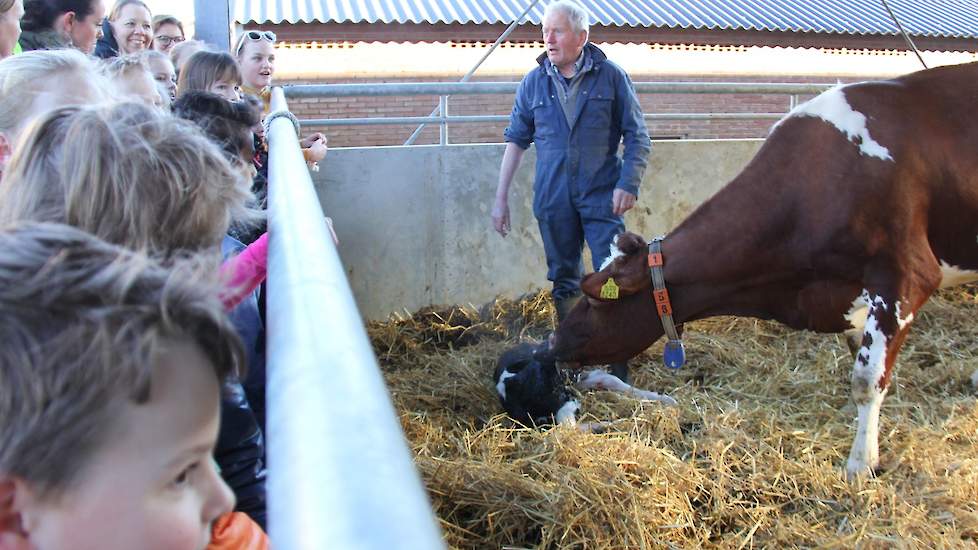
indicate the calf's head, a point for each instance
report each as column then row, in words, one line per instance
column 531, row 388
column 617, row 324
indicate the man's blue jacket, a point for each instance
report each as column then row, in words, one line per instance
column 579, row 168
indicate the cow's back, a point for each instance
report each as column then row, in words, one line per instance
column 857, row 165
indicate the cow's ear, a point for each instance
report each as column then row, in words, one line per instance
column 592, row 283
column 626, row 275
column 629, row 243
column 604, row 286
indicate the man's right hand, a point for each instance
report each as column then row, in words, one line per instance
column 500, row 216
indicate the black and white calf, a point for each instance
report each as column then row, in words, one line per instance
column 534, row 392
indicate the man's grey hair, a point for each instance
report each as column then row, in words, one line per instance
column 578, row 17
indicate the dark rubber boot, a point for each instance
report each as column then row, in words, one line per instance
column 563, row 307
column 620, row 370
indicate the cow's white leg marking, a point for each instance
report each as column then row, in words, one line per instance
column 601, row 380
column 832, row 107
column 613, row 253
column 865, row 454
column 974, row 380
column 867, row 393
column 952, row 275
column 857, row 314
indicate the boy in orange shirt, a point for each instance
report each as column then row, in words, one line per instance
column 110, row 375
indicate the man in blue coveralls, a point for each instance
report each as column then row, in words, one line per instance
column 577, row 106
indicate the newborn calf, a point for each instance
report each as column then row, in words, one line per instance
column 534, row 392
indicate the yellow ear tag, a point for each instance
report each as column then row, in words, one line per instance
column 609, row 290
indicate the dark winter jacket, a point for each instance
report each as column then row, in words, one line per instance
column 107, row 46
column 581, row 165
column 240, row 450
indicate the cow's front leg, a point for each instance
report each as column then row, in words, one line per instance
column 602, row 380
column 886, row 328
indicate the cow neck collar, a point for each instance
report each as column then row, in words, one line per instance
column 674, row 354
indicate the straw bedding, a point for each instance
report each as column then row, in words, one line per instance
column 751, row 458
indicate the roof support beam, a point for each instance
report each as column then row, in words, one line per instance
column 212, row 22
column 530, row 35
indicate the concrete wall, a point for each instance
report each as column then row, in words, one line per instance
column 414, row 224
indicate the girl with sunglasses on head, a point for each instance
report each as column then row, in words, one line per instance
column 255, row 51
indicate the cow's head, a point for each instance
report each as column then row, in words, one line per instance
column 603, row 328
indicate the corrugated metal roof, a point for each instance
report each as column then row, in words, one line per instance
column 934, row 18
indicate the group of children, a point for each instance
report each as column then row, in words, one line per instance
column 132, row 247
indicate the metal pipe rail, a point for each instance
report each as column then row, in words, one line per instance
column 380, row 121
column 340, row 472
column 474, row 88
column 441, row 117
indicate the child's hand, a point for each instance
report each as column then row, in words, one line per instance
column 316, row 151
column 307, row 141
column 314, row 146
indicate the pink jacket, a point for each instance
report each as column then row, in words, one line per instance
column 245, row 272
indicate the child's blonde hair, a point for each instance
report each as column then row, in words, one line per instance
column 128, row 174
column 123, row 65
column 182, row 51
column 24, row 76
column 82, row 323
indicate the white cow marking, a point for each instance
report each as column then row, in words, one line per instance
column 866, row 391
column 614, row 252
column 874, row 355
column 832, row 107
column 902, row 321
column 865, row 453
column 856, row 316
column 974, row 380
column 953, row 276
column 501, row 385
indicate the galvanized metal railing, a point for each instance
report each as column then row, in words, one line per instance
column 340, row 472
column 445, row 89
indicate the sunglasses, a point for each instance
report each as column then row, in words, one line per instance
column 254, row 36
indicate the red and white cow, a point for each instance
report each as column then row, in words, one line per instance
column 861, row 203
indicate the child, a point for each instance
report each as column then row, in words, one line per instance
column 163, row 72
column 37, row 81
column 214, row 72
column 134, row 80
column 137, row 177
column 255, row 52
column 182, row 52
column 229, row 124
column 110, row 378
column 128, row 174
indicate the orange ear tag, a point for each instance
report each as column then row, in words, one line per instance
column 609, row 290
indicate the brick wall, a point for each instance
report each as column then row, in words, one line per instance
column 357, row 107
